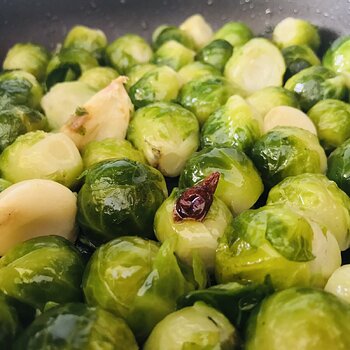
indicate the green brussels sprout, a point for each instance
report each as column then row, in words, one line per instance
column 294, row 31
column 159, row 84
column 9, row 322
column 267, row 98
column 299, row 57
column 332, row 120
column 165, row 33
column 216, row 53
column 174, row 55
column 119, row 197
column 136, row 280
column 135, row 73
column 236, row 33
column 42, row 269
column 128, row 51
column 31, row 58
column 97, row 151
column 196, row 70
column 236, row 124
column 338, row 284
column 4, row 184
column 76, row 326
column 256, row 65
column 62, row 101
column 41, row 155
column 278, row 242
column 300, row 318
column 286, row 151
column 194, row 327
column 317, row 83
column 239, row 186
column 93, row 41
column 167, row 134
column 20, row 88
column 99, row 77
column 204, row 96
column 68, row 65
column 318, row 199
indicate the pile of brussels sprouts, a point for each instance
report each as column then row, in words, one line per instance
column 188, row 194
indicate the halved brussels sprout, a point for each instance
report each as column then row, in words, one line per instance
column 194, row 327
column 137, row 72
column 256, row 65
column 9, row 323
column 41, row 155
column 338, row 284
column 99, row 77
column 92, row 40
column 34, row 208
column 159, row 84
column 236, row 124
column 332, row 120
column 165, row 33
column 315, row 84
column 68, row 65
column 128, row 51
column 216, row 53
column 239, row 186
column 294, row 31
column 236, row 33
column 204, row 96
column 119, row 197
column 136, row 280
column 40, row 270
column 97, row 151
column 278, row 242
column 20, row 88
column 318, row 199
column 300, row 318
column 267, row 98
column 31, row 58
column 286, row 151
column 76, row 326
column 167, row 134
column 196, row 70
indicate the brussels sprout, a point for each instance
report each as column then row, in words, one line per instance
column 67, row 65
column 159, row 84
column 63, row 99
column 295, row 31
column 31, row 58
column 236, row 33
column 267, row 98
column 119, row 197
column 34, row 208
column 256, row 65
column 166, row 134
column 99, row 77
column 318, row 199
column 315, row 84
column 9, row 323
column 198, row 29
column 42, row 269
column 134, row 279
column 239, row 186
column 332, row 120
column 93, row 41
column 137, row 72
column 286, row 151
column 236, row 124
column 299, row 57
column 128, row 51
column 278, row 242
column 20, row 88
column 4, row 184
column 300, row 318
column 97, row 151
column 76, row 326
column 174, row 55
column 216, row 53
column 195, row 327
column 41, row 155
column 165, row 33
column 338, row 283
column 196, row 70
column 204, row 96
